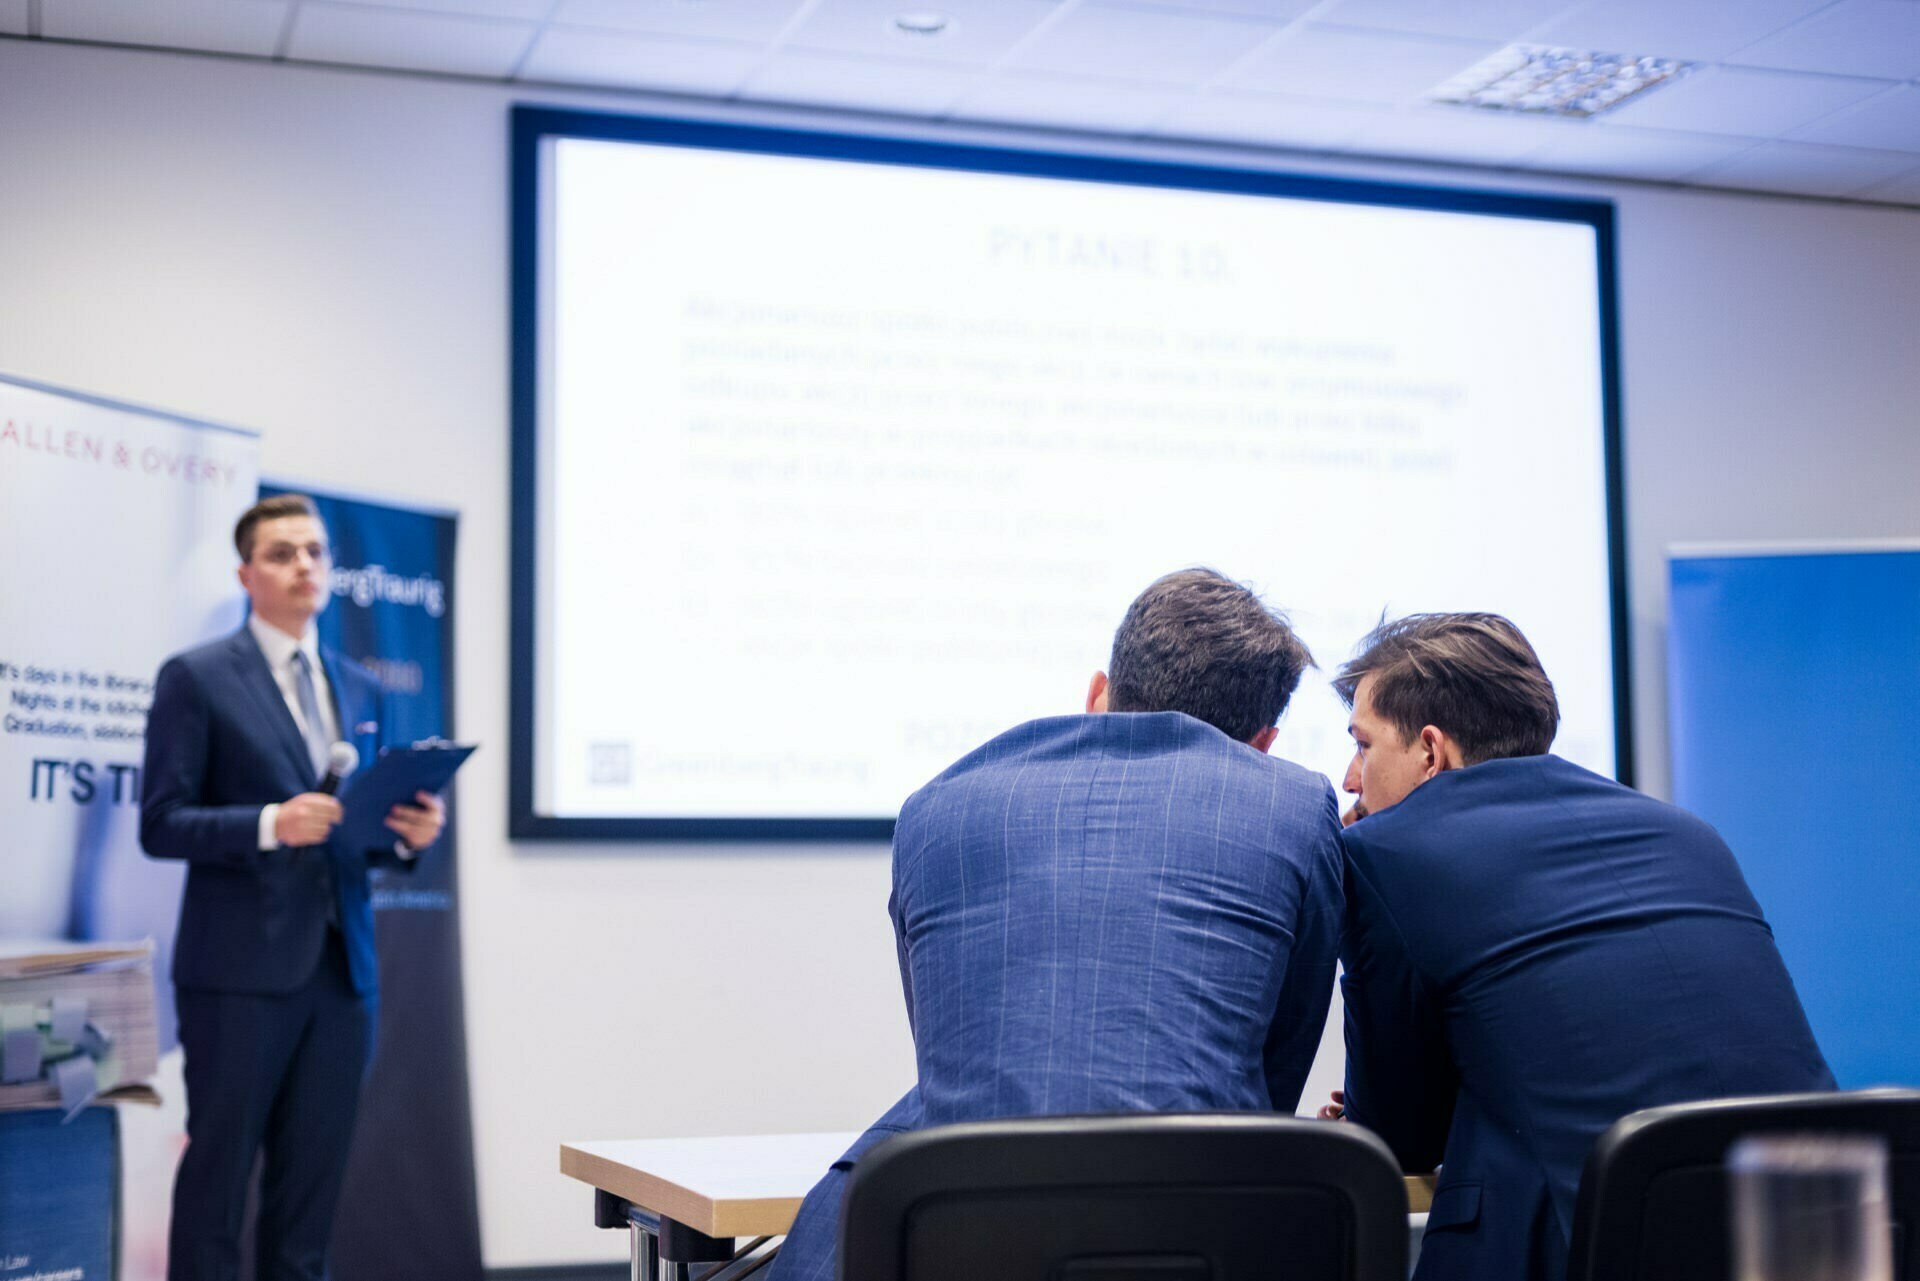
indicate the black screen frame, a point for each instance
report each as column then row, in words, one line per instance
column 531, row 126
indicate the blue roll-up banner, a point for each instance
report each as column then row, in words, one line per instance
column 409, row 1209
column 1794, row 703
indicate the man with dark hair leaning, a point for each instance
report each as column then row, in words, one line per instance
column 274, row 965
column 1135, row 911
column 1532, row 951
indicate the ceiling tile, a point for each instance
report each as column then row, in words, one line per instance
column 1690, row 29
column 1807, row 169
column 570, row 55
column 1150, row 45
column 1853, row 38
column 1903, row 190
column 221, row 26
column 1265, row 120
column 1105, row 106
column 1890, row 122
column 13, row 17
column 862, row 84
column 413, row 40
column 1357, row 66
column 1504, row 21
column 1751, row 104
column 978, row 31
column 524, row 10
column 756, row 20
column 1617, row 151
column 1461, row 135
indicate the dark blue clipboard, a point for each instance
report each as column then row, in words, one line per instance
column 395, row 775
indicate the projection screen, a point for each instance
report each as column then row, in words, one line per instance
column 836, row 456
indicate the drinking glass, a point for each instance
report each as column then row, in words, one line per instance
column 1810, row 1207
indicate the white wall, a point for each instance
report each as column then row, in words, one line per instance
column 322, row 256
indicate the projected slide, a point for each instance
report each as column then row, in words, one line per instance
column 842, row 468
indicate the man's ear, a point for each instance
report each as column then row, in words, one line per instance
column 1097, row 694
column 1264, row 739
column 1439, row 752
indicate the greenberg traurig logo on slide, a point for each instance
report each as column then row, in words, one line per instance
column 372, row 583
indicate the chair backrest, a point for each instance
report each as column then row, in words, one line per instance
column 1653, row 1203
column 1141, row 1197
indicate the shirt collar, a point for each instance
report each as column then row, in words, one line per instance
column 279, row 647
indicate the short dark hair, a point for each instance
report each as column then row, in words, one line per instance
column 269, row 509
column 1472, row 675
column 1200, row 643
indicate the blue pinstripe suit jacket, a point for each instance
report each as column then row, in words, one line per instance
column 1116, row 913
column 1121, row 912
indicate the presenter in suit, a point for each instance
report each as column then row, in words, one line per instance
column 1532, row 951
column 274, row 965
column 1129, row 911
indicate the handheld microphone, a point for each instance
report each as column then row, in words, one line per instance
column 342, row 760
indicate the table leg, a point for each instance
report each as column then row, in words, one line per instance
column 659, row 1249
column 644, row 1249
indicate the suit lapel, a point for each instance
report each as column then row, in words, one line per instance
column 250, row 666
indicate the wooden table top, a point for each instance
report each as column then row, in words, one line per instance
column 743, row 1185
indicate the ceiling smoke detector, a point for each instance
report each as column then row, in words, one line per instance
column 1545, row 80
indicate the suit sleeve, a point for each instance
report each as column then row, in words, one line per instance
column 1307, row 990
column 1401, row 1081
column 175, row 820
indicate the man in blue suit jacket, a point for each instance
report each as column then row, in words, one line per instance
column 1136, row 911
column 274, row 964
column 1532, row 951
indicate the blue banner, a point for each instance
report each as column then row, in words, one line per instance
column 1794, row 698
column 409, row 1209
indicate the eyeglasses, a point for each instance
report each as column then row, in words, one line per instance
column 287, row 553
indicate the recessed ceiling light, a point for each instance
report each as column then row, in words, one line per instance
column 1551, row 81
column 922, row 22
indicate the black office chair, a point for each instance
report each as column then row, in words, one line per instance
column 1214, row 1197
column 1653, row 1203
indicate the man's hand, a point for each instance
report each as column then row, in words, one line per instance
column 1354, row 815
column 1336, row 1110
column 306, row 819
column 418, row 825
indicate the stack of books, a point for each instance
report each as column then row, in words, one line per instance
column 108, row 987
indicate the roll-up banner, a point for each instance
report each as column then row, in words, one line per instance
column 116, row 550
column 409, row 1208
column 1793, row 689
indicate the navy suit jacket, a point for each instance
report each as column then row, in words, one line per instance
column 221, row 744
column 1532, row 952
column 1109, row 913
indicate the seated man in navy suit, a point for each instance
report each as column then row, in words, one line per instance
column 1532, row 951
column 274, row 966
column 1134, row 911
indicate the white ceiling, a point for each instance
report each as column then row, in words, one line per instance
column 1810, row 97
